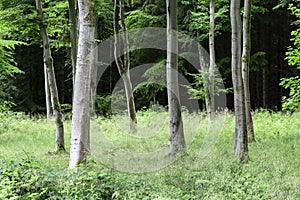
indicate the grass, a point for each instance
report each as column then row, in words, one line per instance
column 272, row 173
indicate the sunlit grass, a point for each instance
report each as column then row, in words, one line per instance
column 207, row 170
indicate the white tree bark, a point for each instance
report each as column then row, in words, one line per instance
column 177, row 141
column 49, row 107
column 94, row 75
column 212, row 61
column 81, row 101
column 240, row 137
column 245, row 66
column 124, row 64
column 48, row 62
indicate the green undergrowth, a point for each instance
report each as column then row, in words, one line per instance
column 207, row 170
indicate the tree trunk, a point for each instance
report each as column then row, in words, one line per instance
column 240, row 137
column 81, row 101
column 204, row 67
column 177, row 141
column 49, row 107
column 212, row 60
column 48, row 62
column 73, row 36
column 264, row 86
column 245, row 66
column 123, row 64
column 94, row 76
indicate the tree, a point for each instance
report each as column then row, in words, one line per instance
column 123, row 64
column 212, row 61
column 48, row 62
column 240, row 137
column 245, row 66
column 177, row 141
column 81, row 100
column 49, row 106
column 199, row 22
column 73, row 35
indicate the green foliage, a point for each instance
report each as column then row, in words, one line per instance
column 20, row 18
column 292, row 102
column 196, row 20
column 57, row 21
column 7, row 68
column 105, row 10
column 258, row 61
column 140, row 19
column 27, row 172
column 199, row 88
column 103, row 105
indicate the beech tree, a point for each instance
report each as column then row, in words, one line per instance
column 50, row 78
column 240, row 137
column 81, row 100
column 212, row 61
column 177, row 141
column 73, row 35
column 49, row 106
column 245, row 66
column 123, row 63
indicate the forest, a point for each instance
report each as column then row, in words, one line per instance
column 132, row 99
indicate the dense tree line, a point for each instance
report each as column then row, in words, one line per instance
column 76, row 27
column 270, row 39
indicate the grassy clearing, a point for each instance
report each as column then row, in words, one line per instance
column 27, row 171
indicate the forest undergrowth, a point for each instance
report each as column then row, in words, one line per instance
column 29, row 169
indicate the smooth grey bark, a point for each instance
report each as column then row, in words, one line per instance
column 94, row 76
column 177, row 140
column 73, row 35
column 81, row 102
column 48, row 62
column 123, row 64
column 208, row 71
column 212, row 61
column 240, row 137
column 245, row 66
column 49, row 106
column 93, row 93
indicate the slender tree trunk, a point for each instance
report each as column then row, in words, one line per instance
column 81, row 101
column 94, row 76
column 208, row 70
column 48, row 62
column 204, row 67
column 212, row 60
column 240, row 137
column 49, row 107
column 73, row 35
column 264, row 86
column 124, row 64
column 177, row 141
column 245, row 66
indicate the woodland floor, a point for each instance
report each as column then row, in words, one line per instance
column 29, row 171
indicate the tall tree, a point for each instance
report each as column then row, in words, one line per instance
column 49, row 106
column 240, row 137
column 81, row 101
column 177, row 141
column 212, row 61
column 48, row 62
column 245, row 66
column 94, row 76
column 123, row 64
column 73, row 35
